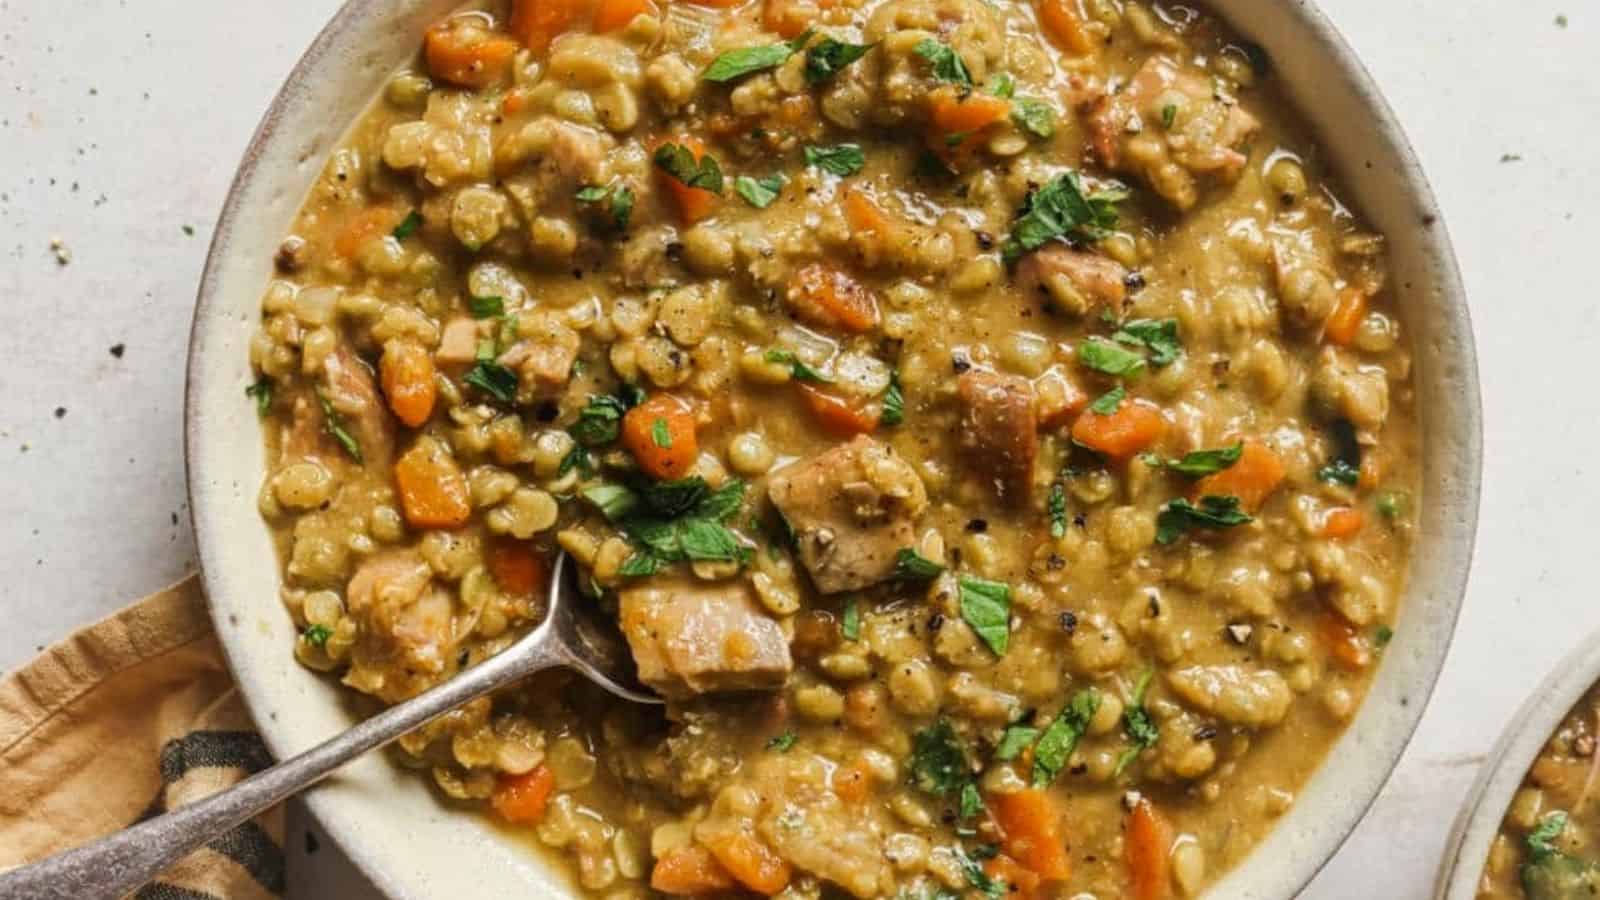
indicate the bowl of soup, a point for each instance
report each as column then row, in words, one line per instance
column 1030, row 449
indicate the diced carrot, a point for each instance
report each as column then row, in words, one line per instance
column 517, row 566
column 408, row 382
column 522, row 798
column 611, row 15
column 1148, row 844
column 516, row 102
column 852, row 783
column 692, row 203
column 1031, row 825
column 688, row 871
column 788, row 18
column 433, row 492
column 752, row 863
column 1371, row 470
column 1134, row 427
column 538, row 22
column 864, row 215
column 837, row 415
column 660, row 433
column 1057, row 399
column 462, row 52
column 955, row 113
column 829, row 298
column 1252, row 479
column 1345, row 320
column 1063, row 21
column 1341, row 523
column 1021, row 882
column 1344, row 643
column 718, row 4
column 365, row 224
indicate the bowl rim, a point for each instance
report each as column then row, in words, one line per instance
column 1454, row 542
column 1501, row 774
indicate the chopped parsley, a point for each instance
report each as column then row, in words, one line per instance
column 1137, row 724
column 1158, row 336
column 909, row 565
column 660, row 434
column 1058, row 510
column 1016, row 739
column 986, row 606
column 1382, row 635
column 1061, row 736
column 894, row 401
column 673, row 521
column 797, row 369
column 1392, row 505
column 748, row 60
column 828, row 56
column 1214, row 512
column 1542, row 839
column 486, row 307
column 850, row 623
column 621, row 205
column 1200, row 463
column 261, row 392
column 1110, row 359
column 600, row 422
column 1062, row 209
column 493, row 379
column 317, row 635
column 408, row 226
column 1345, row 466
column 939, row 760
column 1110, row 401
column 679, row 162
column 1034, row 116
column 1169, row 114
column 333, row 423
column 783, row 742
column 758, row 192
column 946, row 62
column 970, row 802
column 843, row 160
column 973, row 870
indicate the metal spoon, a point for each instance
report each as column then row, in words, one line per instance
column 117, row 865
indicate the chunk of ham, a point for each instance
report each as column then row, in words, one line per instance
column 407, row 635
column 692, row 638
column 852, row 510
column 458, row 345
column 1072, row 280
column 348, row 386
column 999, row 432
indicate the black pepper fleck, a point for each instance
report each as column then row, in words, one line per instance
column 977, row 526
column 61, row 412
column 1069, row 622
column 118, row 349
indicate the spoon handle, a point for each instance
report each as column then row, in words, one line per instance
column 114, row 866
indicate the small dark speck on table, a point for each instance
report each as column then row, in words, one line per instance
column 1510, row 157
column 118, row 349
column 61, row 412
column 1561, row 20
column 188, row 230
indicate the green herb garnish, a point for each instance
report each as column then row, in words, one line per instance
column 1058, row 510
column 783, row 742
column 850, row 623
column 1034, row 116
column 1062, row 209
column 333, row 423
column 797, row 369
column 679, row 162
column 1109, row 358
column 1214, row 512
column 1158, row 336
column 486, row 307
column 909, row 565
column 493, row 379
column 758, row 192
column 1137, row 724
column 894, row 401
column 317, row 635
column 828, row 56
column 408, row 226
column 843, row 160
column 261, row 392
column 1061, row 736
column 1109, row 402
column 947, row 63
column 748, row 60
column 986, row 606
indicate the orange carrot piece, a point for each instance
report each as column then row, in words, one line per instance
column 462, row 53
column 752, row 863
column 1341, row 523
column 1252, row 479
column 956, row 114
column 517, row 566
column 1063, row 21
column 407, row 373
column 691, row 870
column 1134, row 427
column 538, row 22
column 522, row 798
column 1345, row 320
column 1031, row 824
column 692, row 203
column 660, row 433
column 852, row 783
column 837, row 415
column 829, row 298
column 864, row 215
column 611, row 15
column 1344, row 643
column 718, row 4
column 365, row 224
column 1148, row 844
column 1021, row 882
column 433, row 492
column 1371, row 470
column 787, row 18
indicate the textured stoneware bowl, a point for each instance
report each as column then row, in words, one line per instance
column 1486, row 804
column 415, row 848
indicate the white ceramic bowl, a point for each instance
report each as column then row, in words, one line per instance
column 1509, row 761
column 415, row 848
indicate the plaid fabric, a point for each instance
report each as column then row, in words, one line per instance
column 126, row 719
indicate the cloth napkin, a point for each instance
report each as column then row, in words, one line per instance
column 122, row 721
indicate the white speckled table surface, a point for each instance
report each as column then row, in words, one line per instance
column 121, row 122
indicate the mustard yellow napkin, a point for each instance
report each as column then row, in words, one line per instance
column 126, row 719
